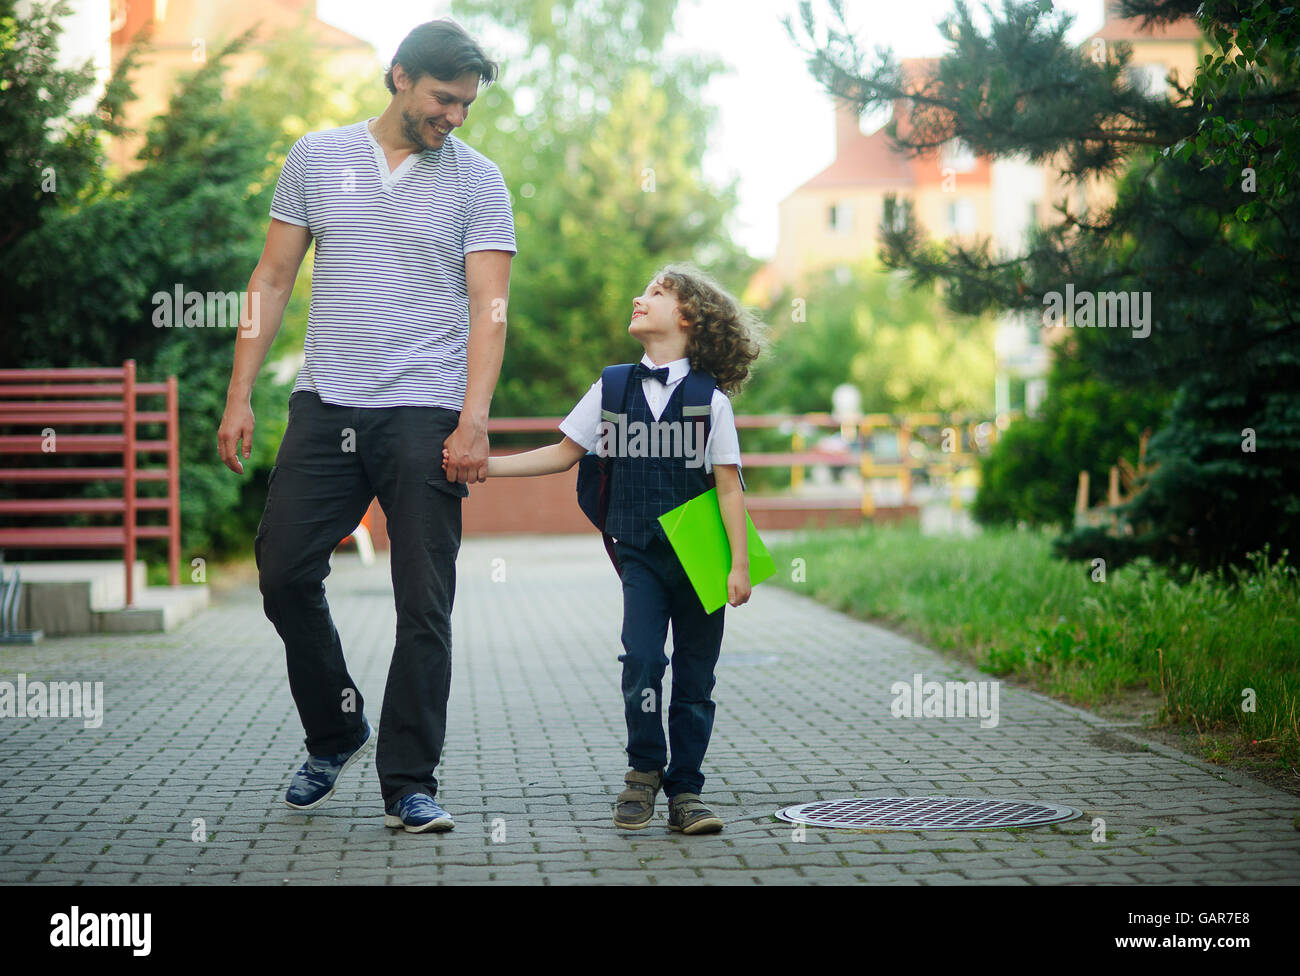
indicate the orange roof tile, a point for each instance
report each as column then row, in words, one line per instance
column 1117, row 28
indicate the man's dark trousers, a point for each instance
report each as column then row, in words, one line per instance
column 332, row 462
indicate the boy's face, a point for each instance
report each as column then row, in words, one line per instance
column 655, row 313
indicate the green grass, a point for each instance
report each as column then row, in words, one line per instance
column 1004, row 602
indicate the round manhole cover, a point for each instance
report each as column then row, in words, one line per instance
column 926, row 813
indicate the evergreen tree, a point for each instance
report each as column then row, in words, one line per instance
column 902, row 349
column 605, row 170
column 84, row 264
column 50, row 157
column 1212, row 247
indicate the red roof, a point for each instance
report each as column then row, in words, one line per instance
column 1117, row 28
column 862, row 161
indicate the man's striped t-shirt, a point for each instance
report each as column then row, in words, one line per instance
column 389, row 318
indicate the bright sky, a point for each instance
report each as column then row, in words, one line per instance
column 775, row 126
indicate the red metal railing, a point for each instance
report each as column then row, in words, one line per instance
column 56, row 399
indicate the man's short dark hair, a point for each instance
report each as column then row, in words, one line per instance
column 440, row 48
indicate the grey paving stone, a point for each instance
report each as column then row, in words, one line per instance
column 535, row 744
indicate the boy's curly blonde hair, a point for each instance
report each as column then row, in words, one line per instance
column 724, row 338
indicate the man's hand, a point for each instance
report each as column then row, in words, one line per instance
column 738, row 588
column 467, row 453
column 236, row 429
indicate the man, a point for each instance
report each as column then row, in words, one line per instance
column 414, row 237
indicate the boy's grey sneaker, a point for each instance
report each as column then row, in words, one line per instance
column 314, row 781
column 636, row 804
column 687, row 813
column 416, row 813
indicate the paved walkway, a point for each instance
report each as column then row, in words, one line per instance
column 199, row 725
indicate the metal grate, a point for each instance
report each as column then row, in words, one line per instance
column 926, row 813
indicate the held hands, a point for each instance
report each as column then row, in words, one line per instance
column 446, row 454
column 465, row 454
column 738, row 588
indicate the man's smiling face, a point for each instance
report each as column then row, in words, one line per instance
column 432, row 108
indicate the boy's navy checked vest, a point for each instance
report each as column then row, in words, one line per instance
column 624, row 496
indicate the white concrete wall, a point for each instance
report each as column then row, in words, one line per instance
column 1016, row 185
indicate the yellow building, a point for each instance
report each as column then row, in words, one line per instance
column 832, row 221
column 183, row 32
column 1161, row 57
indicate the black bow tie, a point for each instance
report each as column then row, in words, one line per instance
column 644, row 372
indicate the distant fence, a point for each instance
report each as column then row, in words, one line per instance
column 1124, row 484
column 880, row 467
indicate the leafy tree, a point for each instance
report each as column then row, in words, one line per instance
column 605, row 172
column 82, row 275
column 50, row 156
column 1249, row 118
column 1223, row 331
column 899, row 346
column 1085, row 425
column 184, row 218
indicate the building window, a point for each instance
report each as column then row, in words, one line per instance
column 839, row 218
column 957, row 156
column 961, row 216
column 900, row 214
column 1149, row 79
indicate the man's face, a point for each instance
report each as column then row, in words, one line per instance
column 431, row 108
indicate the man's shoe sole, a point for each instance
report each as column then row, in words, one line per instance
column 361, row 751
column 439, row 825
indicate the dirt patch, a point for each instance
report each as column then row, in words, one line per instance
column 1228, row 749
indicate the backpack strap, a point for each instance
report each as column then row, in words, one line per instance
column 697, row 405
column 614, row 383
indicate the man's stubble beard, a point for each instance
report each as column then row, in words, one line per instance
column 411, row 130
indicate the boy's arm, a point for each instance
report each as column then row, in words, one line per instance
column 731, row 503
column 545, row 460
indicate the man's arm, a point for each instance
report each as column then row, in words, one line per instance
column 269, row 289
column 487, row 278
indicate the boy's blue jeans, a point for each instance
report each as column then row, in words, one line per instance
column 656, row 592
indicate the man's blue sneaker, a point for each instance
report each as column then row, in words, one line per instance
column 313, row 784
column 417, row 813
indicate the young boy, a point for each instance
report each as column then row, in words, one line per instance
column 684, row 321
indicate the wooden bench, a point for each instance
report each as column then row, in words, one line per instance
column 46, row 407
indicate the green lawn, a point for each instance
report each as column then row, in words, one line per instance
column 1212, row 648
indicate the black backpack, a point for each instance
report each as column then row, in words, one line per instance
column 595, row 472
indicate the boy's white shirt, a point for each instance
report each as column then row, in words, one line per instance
column 583, row 422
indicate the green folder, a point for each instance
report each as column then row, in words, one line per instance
column 699, row 538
